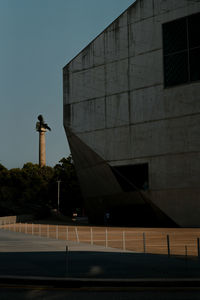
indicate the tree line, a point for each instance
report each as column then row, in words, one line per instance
column 34, row 190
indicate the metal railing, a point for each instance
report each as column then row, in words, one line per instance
column 155, row 241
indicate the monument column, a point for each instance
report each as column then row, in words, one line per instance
column 42, row 147
column 42, row 127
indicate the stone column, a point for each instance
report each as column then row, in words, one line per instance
column 42, row 147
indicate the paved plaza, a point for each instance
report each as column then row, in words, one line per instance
column 35, row 267
column 26, row 255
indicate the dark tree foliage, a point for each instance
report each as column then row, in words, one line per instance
column 34, row 189
column 70, row 193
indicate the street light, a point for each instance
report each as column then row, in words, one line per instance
column 58, row 181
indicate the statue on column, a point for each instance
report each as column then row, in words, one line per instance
column 42, row 127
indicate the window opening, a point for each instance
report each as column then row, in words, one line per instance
column 132, row 177
column 181, row 50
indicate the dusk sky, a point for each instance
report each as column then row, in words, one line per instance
column 38, row 38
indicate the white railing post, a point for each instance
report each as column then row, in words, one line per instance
column 124, row 241
column 57, row 232
column 144, row 242
column 67, row 233
column 168, row 245
column 106, row 238
column 48, row 231
column 91, row 236
column 77, row 237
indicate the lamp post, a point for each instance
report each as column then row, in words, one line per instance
column 58, row 181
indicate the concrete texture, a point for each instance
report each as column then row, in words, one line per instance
column 116, row 104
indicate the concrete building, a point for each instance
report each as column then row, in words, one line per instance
column 132, row 116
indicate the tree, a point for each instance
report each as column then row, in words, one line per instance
column 33, row 189
column 70, row 193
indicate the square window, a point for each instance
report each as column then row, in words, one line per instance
column 176, row 69
column 181, row 49
column 194, row 30
column 195, row 64
column 175, row 36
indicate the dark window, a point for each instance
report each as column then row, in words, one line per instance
column 67, row 113
column 176, row 68
column 175, row 36
column 181, row 49
column 132, row 177
column 194, row 30
column 195, row 64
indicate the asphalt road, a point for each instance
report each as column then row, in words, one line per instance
column 22, row 293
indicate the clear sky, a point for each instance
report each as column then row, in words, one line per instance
column 37, row 39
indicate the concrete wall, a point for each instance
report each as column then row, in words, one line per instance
column 116, row 104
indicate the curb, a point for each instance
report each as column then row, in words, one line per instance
column 101, row 283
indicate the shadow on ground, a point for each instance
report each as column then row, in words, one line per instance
column 93, row 264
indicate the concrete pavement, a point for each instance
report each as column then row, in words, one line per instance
column 61, row 294
column 38, row 268
column 26, row 255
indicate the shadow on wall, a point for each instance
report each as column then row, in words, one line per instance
column 127, row 214
column 118, row 190
column 135, row 215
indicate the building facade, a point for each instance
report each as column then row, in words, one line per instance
column 132, row 116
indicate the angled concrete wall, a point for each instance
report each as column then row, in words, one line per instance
column 116, row 105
